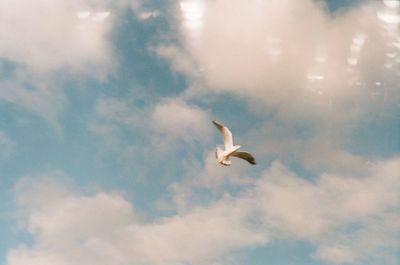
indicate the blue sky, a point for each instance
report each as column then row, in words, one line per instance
column 107, row 146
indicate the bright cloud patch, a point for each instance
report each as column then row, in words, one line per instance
column 291, row 55
column 46, row 35
column 336, row 214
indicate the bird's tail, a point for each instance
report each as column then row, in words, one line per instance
column 218, row 153
column 221, row 158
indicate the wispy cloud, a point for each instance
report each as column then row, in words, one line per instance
column 176, row 118
column 134, row 133
column 43, row 98
column 6, row 145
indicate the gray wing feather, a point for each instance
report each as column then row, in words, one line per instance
column 245, row 155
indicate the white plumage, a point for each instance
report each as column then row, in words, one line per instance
column 230, row 149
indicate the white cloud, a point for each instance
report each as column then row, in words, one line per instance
column 347, row 219
column 104, row 229
column 47, row 35
column 258, row 50
column 201, row 235
column 324, row 211
column 176, row 118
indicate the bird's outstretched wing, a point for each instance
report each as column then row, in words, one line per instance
column 226, row 134
column 245, row 155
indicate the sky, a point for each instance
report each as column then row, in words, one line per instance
column 107, row 145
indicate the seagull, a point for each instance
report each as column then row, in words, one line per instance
column 230, row 149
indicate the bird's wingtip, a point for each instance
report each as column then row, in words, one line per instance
column 217, row 123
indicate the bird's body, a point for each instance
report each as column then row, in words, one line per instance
column 223, row 156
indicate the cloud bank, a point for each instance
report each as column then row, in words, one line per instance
column 347, row 219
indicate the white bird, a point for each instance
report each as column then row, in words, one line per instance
column 230, row 149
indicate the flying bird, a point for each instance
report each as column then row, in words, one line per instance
column 230, row 149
